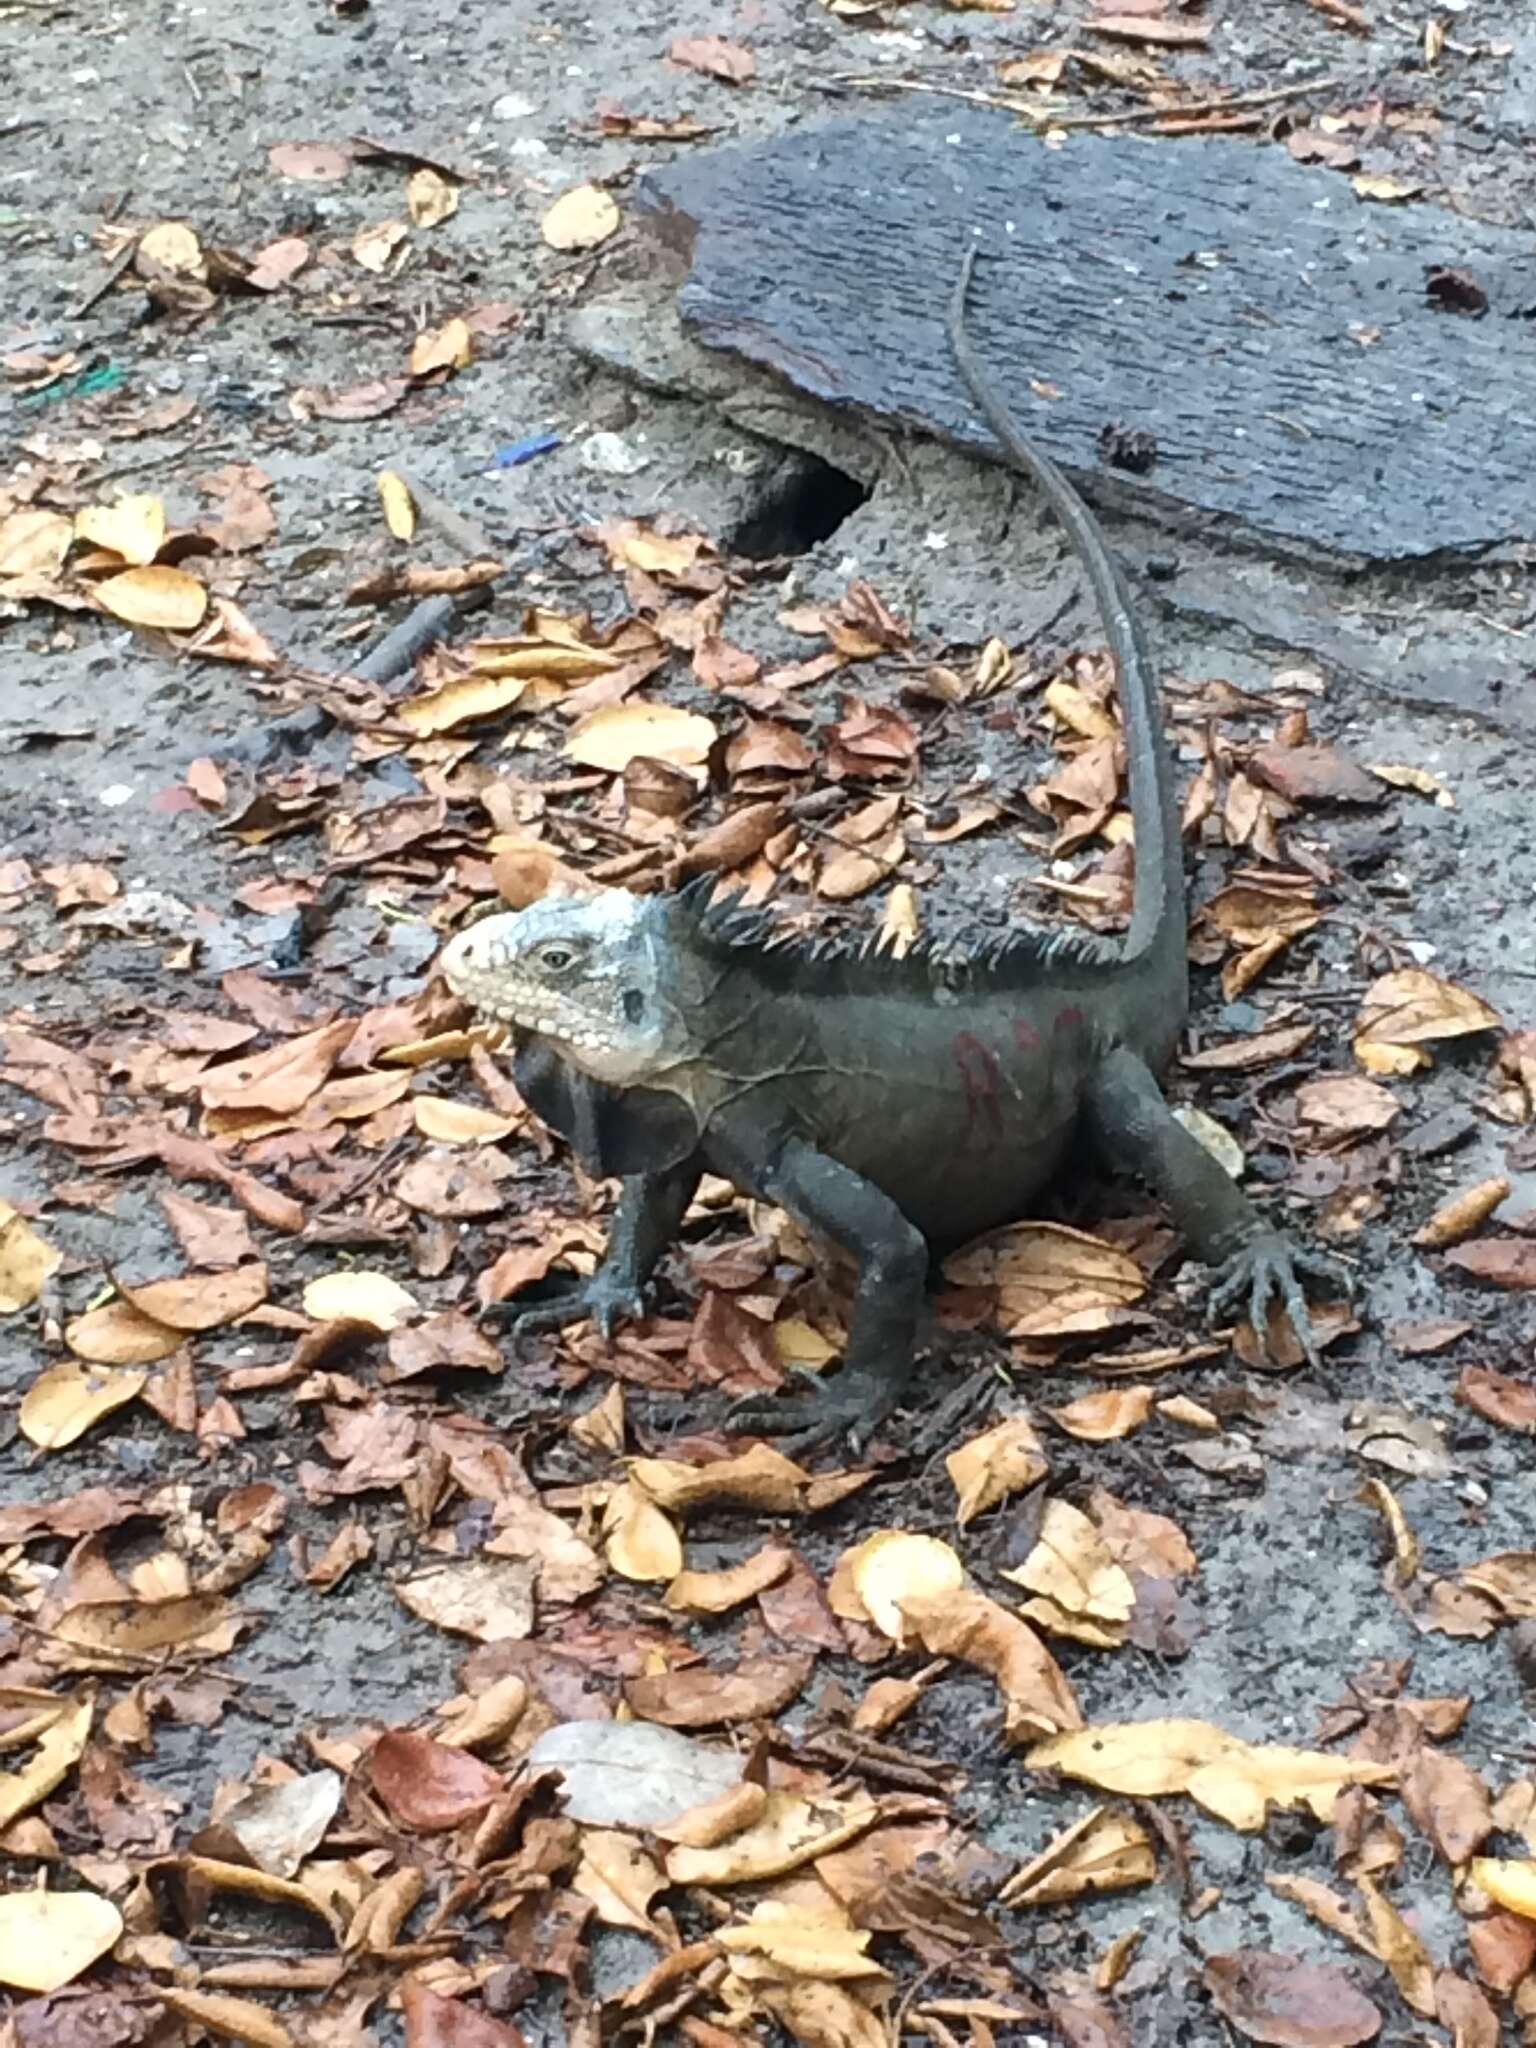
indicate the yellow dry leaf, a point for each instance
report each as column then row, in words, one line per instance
column 633, row 545
column 373, row 246
column 718, row 1592
column 619, row 1877
column 26, row 1261
column 117, row 1333
column 801, row 1345
column 1404, row 1009
column 810, row 2011
column 1463, row 1213
column 160, row 596
column 47, row 1939
column 793, row 1829
column 173, row 246
column 800, row 1941
column 761, row 1478
column 1079, row 712
column 1072, row 1565
column 65, row 1401
column 980, row 1631
column 484, row 1719
column 1419, row 779
column 133, row 527
column 448, row 1122
column 34, row 542
column 219, row 1876
column 1050, row 1280
column 580, row 219
column 101, row 1635
column 430, row 198
column 1002, row 1460
column 449, row 347
column 359, row 1296
column 1413, row 1970
column 901, row 926
column 615, row 734
column 1107, row 1850
column 1383, row 186
column 60, row 1741
column 874, row 1578
column 1510, row 1881
column 220, row 2013
column 638, row 1540
column 458, row 700
column 399, row 507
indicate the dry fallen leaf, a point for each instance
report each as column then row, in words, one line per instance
column 158, row 596
column 27, row 1261
column 1462, row 1214
column 1404, row 1010
column 47, row 1939
column 358, row 1296
column 874, row 1579
column 580, row 219
column 399, row 508
column 62, row 1403
column 1003, row 1460
column 615, row 734
column 1105, row 1415
column 1107, row 1850
column 133, row 527
column 1050, row 1280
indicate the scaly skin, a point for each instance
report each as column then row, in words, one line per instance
column 893, row 1106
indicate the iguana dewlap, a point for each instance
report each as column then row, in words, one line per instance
column 888, row 1104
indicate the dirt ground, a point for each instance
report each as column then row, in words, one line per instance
column 120, row 119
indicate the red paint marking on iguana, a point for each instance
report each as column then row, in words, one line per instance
column 982, row 1079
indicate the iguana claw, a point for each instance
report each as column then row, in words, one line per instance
column 851, row 1408
column 604, row 1298
column 1268, row 1265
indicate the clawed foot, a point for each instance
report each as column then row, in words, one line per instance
column 603, row 1297
column 1271, row 1266
column 848, row 1409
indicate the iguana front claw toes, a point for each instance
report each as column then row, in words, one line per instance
column 1266, row 1267
column 606, row 1301
column 850, row 1410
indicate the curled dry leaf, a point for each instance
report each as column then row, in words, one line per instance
column 1105, row 1851
column 718, row 1592
column 1050, row 1280
column 133, row 527
column 375, row 1300
column 639, row 1541
column 761, row 1478
column 1337, row 1108
column 613, row 735
column 1072, row 1568
column 59, row 1728
column 967, row 1625
column 1104, row 1416
column 793, row 1830
column 1403, row 1011
column 1510, row 1881
column 399, row 506
column 27, row 1261
column 169, row 600
column 874, row 1579
column 1003, row 1460
column 1463, row 1213
column 489, row 1598
column 818, row 1942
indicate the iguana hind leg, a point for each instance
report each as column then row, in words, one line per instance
column 1136, row 1131
column 892, row 1256
column 651, row 1207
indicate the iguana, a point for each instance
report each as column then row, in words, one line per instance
column 891, row 1105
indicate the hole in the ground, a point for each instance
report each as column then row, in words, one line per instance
column 804, row 504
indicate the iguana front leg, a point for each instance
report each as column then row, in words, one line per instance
column 651, row 1207
column 1135, row 1129
column 892, row 1256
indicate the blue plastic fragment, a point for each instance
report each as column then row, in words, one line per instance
column 516, row 453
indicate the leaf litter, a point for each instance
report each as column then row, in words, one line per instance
column 632, row 1747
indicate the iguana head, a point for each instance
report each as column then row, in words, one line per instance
column 593, row 975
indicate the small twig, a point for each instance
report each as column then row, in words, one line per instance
column 1341, row 12
column 467, row 535
column 1182, row 110
column 115, row 270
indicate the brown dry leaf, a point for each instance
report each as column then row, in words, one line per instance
column 1314, row 773
column 1050, row 1280
column 1258, row 1049
column 34, row 542
column 489, row 1598
column 280, row 1081
column 449, row 1122
column 580, row 219
column 1412, row 1968
column 1288, row 2002
column 979, row 1631
column 615, row 734
column 99, row 1636
column 803, row 1941
column 48, row 1939
column 1103, row 1417
column 1231, row 1778
column 223, row 2014
column 1383, row 186
column 374, row 245
column 1508, row 1578
column 65, row 1401
column 133, row 527
column 1341, row 1107
column 761, row 1478
column 159, row 596
column 27, row 1261
column 1403, row 1011
column 1500, row 1397
column 1463, row 1213
column 620, row 1878
column 714, row 57
column 199, row 1301
column 1505, row 1261
column 428, row 1784
column 1003, row 1460
column 719, row 1591
column 116, row 1334
column 1107, row 1850
column 696, row 1696
column 793, row 1829
column 873, row 1581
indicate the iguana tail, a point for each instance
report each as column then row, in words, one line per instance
column 1157, row 932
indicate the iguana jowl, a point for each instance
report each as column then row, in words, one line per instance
column 889, row 1105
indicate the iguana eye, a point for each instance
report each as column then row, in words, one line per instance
column 556, row 956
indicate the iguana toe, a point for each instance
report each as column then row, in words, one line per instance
column 849, row 1409
column 1269, row 1266
column 607, row 1301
